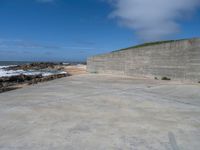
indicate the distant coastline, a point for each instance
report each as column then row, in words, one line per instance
column 7, row 63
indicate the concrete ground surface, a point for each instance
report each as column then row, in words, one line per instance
column 101, row 112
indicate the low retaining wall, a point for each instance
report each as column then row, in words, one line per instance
column 179, row 60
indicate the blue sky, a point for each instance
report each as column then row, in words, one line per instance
column 61, row 30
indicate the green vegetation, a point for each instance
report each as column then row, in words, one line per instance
column 166, row 78
column 95, row 72
column 156, row 78
column 149, row 44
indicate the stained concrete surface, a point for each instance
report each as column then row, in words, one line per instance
column 101, row 112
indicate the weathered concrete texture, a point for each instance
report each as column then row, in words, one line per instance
column 178, row 60
column 98, row 112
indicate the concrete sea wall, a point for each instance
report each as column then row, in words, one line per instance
column 178, row 60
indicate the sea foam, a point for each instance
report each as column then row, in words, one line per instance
column 9, row 73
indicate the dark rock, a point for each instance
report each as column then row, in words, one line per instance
column 166, row 78
column 9, row 83
column 34, row 66
column 19, row 78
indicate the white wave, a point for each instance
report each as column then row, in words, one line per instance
column 47, row 74
column 44, row 74
column 9, row 73
column 1, row 67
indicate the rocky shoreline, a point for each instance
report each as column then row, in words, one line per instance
column 37, row 66
column 8, row 83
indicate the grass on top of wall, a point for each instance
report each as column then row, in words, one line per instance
column 148, row 44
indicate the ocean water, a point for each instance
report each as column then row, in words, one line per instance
column 8, row 73
column 6, row 63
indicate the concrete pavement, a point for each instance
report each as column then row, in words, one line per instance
column 101, row 112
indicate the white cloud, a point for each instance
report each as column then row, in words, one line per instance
column 153, row 19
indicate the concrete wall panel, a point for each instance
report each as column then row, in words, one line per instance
column 178, row 60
